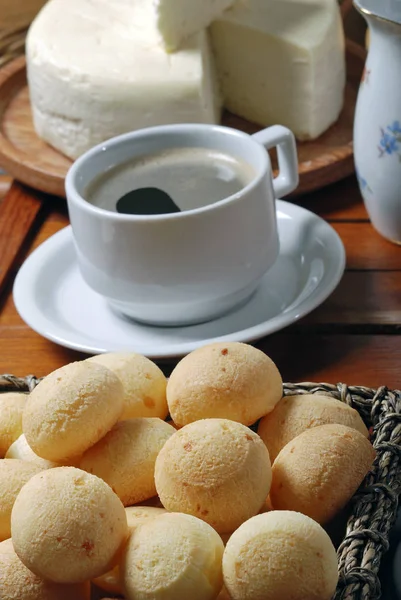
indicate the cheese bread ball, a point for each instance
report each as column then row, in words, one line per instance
column 110, row 582
column 13, row 475
column 280, row 555
column 18, row 583
column 144, row 384
column 20, row 449
column 72, row 409
column 173, row 556
column 319, row 471
column 12, row 406
column 135, row 514
column 125, row 458
column 223, row 380
column 68, row 526
column 293, row 414
column 214, row 469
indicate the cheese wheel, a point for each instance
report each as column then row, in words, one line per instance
column 319, row 471
column 293, row 414
column 68, row 526
column 144, row 384
column 173, row 556
column 125, row 458
column 116, row 76
column 13, row 475
column 280, row 555
column 224, row 380
column 18, row 583
column 282, row 61
column 72, row 409
column 12, row 406
column 215, row 469
column 179, row 19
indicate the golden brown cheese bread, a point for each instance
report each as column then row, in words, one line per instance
column 281, row 555
column 72, row 409
column 68, row 526
column 19, row 583
column 215, row 469
column 12, row 406
column 125, row 458
column 111, row 581
column 319, row 471
column 294, row 414
column 230, row 381
column 144, row 384
column 173, row 556
column 13, row 475
column 20, row 449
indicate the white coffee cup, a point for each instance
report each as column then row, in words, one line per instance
column 187, row 267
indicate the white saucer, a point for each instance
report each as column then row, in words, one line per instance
column 52, row 298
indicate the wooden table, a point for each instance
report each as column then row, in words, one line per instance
column 354, row 337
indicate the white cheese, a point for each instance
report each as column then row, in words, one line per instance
column 97, row 69
column 282, row 61
column 178, row 19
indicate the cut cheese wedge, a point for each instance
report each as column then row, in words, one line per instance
column 97, row 69
column 282, row 61
column 178, row 19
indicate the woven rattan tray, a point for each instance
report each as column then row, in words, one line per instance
column 373, row 508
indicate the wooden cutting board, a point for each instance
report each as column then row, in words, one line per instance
column 30, row 160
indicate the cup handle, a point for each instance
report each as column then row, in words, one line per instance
column 288, row 177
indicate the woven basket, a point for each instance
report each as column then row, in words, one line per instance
column 374, row 506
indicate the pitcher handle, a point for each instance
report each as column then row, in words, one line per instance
column 288, row 178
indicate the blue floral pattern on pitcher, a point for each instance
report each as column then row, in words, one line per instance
column 363, row 184
column 390, row 141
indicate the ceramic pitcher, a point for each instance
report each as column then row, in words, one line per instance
column 377, row 127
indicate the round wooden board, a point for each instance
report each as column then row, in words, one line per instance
column 30, row 160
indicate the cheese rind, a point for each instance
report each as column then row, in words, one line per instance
column 97, row 70
column 179, row 19
column 282, row 61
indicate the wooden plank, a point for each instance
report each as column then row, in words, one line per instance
column 352, row 359
column 20, row 212
column 366, row 249
column 23, row 352
column 339, row 202
column 56, row 220
column 365, row 298
column 14, row 14
column 365, row 301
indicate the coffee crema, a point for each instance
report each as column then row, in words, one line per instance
column 189, row 178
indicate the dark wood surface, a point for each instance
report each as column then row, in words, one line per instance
column 354, row 337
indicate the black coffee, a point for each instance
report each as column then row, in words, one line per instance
column 173, row 180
